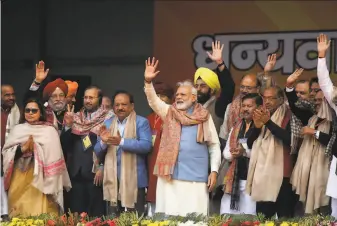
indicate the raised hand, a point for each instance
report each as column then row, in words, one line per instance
column 294, row 77
column 150, row 69
column 40, row 73
column 216, row 55
column 69, row 116
column 322, row 45
column 271, row 61
column 29, row 145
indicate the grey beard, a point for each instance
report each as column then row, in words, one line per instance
column 57, row 108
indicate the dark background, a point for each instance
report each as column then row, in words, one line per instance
column 106, row 41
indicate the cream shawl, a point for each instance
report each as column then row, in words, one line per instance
column 50, row 172
column 310, row 175
column 127, row 190
column 265, row 173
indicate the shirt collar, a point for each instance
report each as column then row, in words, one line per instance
column 124, row 121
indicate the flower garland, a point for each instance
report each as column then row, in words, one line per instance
column 132, row 219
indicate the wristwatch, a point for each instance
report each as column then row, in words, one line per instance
column 316, row 134
column 223, row 63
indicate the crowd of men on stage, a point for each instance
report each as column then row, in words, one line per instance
column 267, row 150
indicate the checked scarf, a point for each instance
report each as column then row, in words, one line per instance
column 296, row 124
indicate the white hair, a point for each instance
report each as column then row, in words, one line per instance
column 189, row 84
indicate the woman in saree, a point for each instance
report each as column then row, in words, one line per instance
column 34, row 167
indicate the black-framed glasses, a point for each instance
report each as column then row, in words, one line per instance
column 31, row 110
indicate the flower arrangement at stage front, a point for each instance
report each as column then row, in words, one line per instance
column 132, row 219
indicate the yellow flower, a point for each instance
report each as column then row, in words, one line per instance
column 154, row 224
column 135, row 225
column 15, row 219
column 285, row 224
column 39, row 222
column 270, row 223
column 145, row 222
column 164, row 223
column 29, row 221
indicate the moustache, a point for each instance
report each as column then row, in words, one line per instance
column 120, row 111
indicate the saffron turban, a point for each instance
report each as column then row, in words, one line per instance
column 163, row 89
column 72, row 88
column 209, row 77
column 51, row 87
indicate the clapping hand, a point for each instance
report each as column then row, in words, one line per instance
column 40, row 73
column 261, row 117
column 150, row 69
column 115, row 140
column 104, row 134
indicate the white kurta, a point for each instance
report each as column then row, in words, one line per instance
column 246, row 204
column 182, row 197
column 179, row 198
column 326, row 86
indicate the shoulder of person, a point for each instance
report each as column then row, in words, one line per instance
column 140, row 120
column 108, row 121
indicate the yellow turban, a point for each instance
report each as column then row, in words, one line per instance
column 209, row 77
column 72, row 87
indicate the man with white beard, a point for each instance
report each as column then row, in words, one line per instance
column 189, row 139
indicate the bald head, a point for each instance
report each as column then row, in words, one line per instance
column 249, row 84
column 7, row 96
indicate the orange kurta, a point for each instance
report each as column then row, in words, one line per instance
column 156, row 126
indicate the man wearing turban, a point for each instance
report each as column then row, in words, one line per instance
column 209, row 84
column 54, row 93
column 165, row 93
column 72, row 91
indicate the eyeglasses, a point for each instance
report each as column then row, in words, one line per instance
column 249, row 88
column 89, row 98
column 31, row 110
